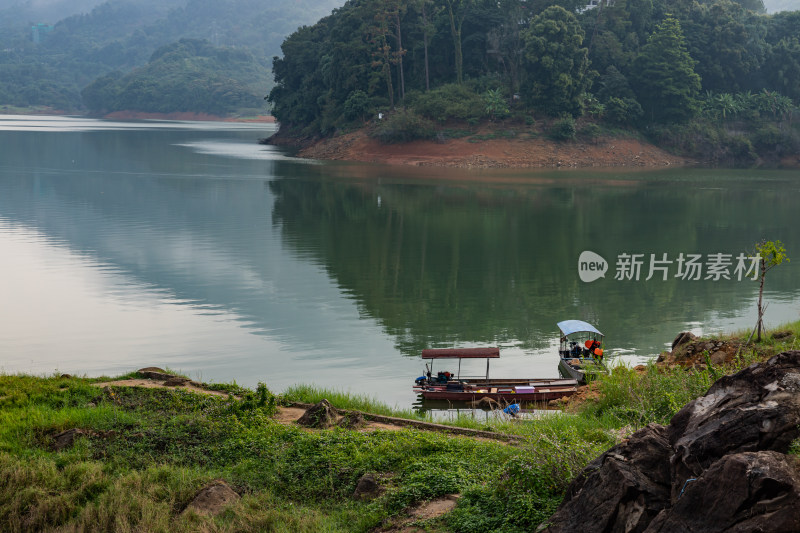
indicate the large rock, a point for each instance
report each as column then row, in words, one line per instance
column 755, row 409
column 213, row 498
column 719, row 466
column 66, row 439
column 751, row 491
column 683, row 338
column 622, row 490
column 367, row 488
column 320, row 415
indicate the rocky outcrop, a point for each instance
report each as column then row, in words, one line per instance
column 321, row 415
column 720, row 465
column 689, row 351
column 368, row 488
column 213, row 498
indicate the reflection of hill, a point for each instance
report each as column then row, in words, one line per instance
column 169, row 222
column 443, row 264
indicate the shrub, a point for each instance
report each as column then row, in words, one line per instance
column 496, row 105
column 771, row 140
column 447, row 102
column 563, row 129
column 403, row 126
column 591, row 131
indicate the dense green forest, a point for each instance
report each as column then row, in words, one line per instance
column 119, row 35
column 626, row 63
column 190, row 75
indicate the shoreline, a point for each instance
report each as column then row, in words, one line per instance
column 483, row 150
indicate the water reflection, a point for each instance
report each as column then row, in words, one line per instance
column 496, row 262
column 198, row 249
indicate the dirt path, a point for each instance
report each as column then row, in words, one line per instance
column 522, row 151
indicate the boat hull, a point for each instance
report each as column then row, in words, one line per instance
column 579, row 374
column 540, row 395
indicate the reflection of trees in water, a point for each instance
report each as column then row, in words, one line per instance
column 444, row 264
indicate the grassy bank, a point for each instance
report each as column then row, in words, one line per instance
column 144, row 453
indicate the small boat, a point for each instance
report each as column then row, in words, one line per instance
column 580, row 354
column 453, row 387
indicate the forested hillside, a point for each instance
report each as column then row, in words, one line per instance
column 631, row 63
column 190, row 75
column 119, row 35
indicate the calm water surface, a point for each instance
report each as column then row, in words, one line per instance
column 188, row 245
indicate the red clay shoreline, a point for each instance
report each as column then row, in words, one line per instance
column 520, row 152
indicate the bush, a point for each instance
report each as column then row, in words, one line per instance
column 771, row 140
column 563, row 129
column 403, row 126
column 447, row 102
column 591, row 131
column 496, row 104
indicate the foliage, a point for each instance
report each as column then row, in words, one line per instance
column 121, row 35
column 623, row 110
column 402, row 126
column 557, row 72
column 727, row 42
column 448, row 102
column 666, row 84
column 772, row 254
column 189, row 75
column 496, row 105
column 563, row 129
column 653, row 396
column 590, row 131
column 357, row 105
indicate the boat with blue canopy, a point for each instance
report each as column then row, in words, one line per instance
column 580, row 351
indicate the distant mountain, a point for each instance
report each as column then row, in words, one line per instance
column 52, row 11
column 190, row 75
column 774, row 6
column 119, row 35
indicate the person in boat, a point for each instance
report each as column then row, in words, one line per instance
column 591, row 346
column 575, row 350
column 598, row 354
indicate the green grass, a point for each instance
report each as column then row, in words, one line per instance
column 146, row 452
column 345, row 400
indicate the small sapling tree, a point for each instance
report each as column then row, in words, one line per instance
column 772, row 254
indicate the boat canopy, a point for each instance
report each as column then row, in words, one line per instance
column 461, row 353
column 568, row 327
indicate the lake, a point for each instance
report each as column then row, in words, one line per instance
column 187, row 245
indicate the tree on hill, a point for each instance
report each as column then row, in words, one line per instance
column 557, row 73
column 666, row 84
